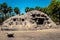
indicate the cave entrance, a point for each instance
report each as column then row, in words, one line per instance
column 40, row 21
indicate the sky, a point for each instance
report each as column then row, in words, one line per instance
column 22, row 4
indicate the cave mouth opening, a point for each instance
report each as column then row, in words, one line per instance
column 40, row 21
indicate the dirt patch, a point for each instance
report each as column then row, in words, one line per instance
column 48, row 34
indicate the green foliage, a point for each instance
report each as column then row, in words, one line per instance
column 54, row 10
column 4, row 5
column 37, row 8
column 31, row 9
column 27, row 9
column 44, row 10
column 0, row 6
column 16, row 10
column 10, row 10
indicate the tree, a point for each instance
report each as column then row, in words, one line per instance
column 10, row 10
column 27, row 9
column 16, row 10
column 4, row 9
column 0, row 6
column 1, row 14
column 44, row 10
column 53, row 10
column 31, row 9
column 37, row 8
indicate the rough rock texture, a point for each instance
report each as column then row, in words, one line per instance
column 31, row 20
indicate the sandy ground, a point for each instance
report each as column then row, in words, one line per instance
column 48, row 34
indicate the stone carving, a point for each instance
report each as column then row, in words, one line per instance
column 30, row 21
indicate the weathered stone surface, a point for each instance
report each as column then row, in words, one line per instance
column 31, row 20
